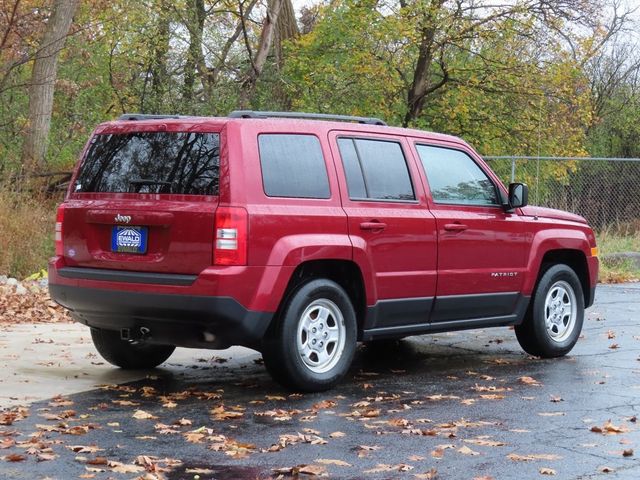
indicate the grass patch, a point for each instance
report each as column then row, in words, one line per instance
column 619, row 239
column 26, row 232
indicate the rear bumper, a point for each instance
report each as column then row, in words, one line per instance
column 183, row 320
column 190, row 311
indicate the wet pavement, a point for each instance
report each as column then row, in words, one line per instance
column 462, row 405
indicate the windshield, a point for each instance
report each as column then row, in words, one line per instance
column 152, row 162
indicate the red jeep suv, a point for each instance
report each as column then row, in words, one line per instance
column 300, row 235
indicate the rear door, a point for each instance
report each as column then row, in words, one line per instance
column 390, row 226
column 481, row 247
column 144, row 200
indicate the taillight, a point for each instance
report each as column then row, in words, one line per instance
column 230, row 244
column 58, row 236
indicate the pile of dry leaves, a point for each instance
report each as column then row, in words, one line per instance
column 29, row 304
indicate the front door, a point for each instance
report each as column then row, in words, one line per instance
column 481, row 247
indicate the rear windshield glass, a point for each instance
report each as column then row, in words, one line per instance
column 152, row 162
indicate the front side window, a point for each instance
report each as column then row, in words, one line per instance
column 375, row 169
column 152, row 162
column 454, row 177
column 293, row 166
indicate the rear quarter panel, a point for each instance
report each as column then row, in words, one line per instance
column 283, row 232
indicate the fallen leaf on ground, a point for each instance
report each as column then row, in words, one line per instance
column 438, row 397
column 125, row 468
column 203, row 471
column 430, row 475
column 7, row 443
column 142, row 415
column 220, row 413
column 232, row 447
column 329, row 461
column 628, row 452
column 363, row 450
column 529, row 381
column 323, row 405
column 609, row 428
column 15, row 457
column 439, row 450
column 275, row 397
column 316, row 470
column 529, row 458
column 382, row 467
column 84, row 449
column 467, row 451
column 485, row 442
column 492, row 396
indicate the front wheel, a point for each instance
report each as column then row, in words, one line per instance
column 127, row 354
column 312, row 343
column 554, row 320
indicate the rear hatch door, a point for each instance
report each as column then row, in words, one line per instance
column 144, row 200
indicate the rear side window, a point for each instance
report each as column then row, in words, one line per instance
column 152, row 162
column 375, row 169
column 293, row 166
column 454, row 177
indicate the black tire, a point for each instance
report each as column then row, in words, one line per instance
column 533, row 334
column 126, row 354
column 286, row 363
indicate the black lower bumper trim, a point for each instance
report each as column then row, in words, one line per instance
column 183, row 320
column 107, row 275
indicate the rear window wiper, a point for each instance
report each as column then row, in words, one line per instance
column 146, row 181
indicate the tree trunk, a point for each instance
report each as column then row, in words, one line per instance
column 420, row 86
column 287, row 28
column 248, row 86
column 195, row 24
column 42, row 85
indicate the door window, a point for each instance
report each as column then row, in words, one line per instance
column 375, row 170
column 454, row 177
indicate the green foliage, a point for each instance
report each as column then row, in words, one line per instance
column 513, row 87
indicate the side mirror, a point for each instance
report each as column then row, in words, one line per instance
column 518, row 195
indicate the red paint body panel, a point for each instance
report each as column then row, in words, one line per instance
column 415, row 256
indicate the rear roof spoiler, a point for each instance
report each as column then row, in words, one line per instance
column 304, row 115
column 144, row 116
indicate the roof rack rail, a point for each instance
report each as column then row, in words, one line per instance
column 303, row 115
column 145, row 116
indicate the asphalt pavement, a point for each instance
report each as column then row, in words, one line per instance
column 460, row 405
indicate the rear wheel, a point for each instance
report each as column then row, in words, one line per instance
column 554, row 320
column 128, row 354
column 312, row 343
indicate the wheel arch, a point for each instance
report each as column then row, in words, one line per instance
column 574, row 259
column 345, row 273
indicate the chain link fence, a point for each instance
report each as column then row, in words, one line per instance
column 606, row 191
